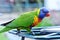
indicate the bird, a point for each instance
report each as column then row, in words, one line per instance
column 26, row 20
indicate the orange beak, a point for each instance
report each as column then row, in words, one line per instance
column 48, row 14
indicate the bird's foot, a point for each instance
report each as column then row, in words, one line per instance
column 17, row 33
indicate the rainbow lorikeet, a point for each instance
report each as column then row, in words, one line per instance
column 26, row 20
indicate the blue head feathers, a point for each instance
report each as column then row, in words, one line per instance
column 43, row 13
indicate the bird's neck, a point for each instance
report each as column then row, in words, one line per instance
column 36, row 21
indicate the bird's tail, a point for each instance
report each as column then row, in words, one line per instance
column 4, row 24
column 4, row 29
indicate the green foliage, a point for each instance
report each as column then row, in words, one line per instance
column 45, row 22
column 2, row 35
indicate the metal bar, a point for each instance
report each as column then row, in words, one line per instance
column 23, row 38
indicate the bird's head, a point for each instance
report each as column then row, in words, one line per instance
column 44, row 12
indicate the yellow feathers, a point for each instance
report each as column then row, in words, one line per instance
column 35, row 21
column 38, row 11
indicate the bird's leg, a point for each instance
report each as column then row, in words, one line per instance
column 18, row 30
column 27, row 29
column 30, row 27
column 30, row 30
column 32, row 33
